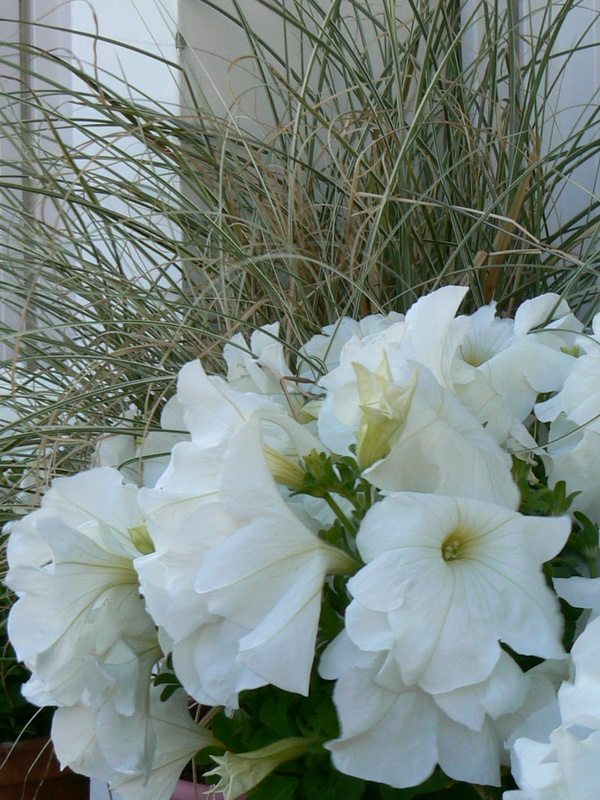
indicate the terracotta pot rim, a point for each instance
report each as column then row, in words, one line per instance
column 30, row 761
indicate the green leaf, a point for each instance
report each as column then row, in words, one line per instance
column 274, row 713
column 275, row 787
column 166, row 677
column 585, row 537
column 169, row 690
column 537, row 498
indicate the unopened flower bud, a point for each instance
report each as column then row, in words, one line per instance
column 240, row 772
column 385, row 407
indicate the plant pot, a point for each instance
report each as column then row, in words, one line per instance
column 185, row 790
column 29, row 769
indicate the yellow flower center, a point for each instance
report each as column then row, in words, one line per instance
column 457, row 545
column 474, row 353
column 451, row 550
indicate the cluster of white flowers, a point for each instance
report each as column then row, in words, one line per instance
column 382, row 465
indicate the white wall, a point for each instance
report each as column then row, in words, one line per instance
column 577, row 81
column 68, row 28
column 220, row 57
column 9, row 81
column 149, row 25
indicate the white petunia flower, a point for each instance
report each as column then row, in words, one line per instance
column 501, row 365
column 339, row 411
column 267, row 577
column 322, row 352
column 384, row 408
column 67, row 608
column 446, row 579
column 187, row 518
column 521, row 359
column 178, row 740
column 539, row 712
column 440, row 446
column 433, row 334
column 213, row 412
column 204, row 646
column 562, row 762
column 143, row 463
column 574, row 433
column 474, row 384
column 75, row 734
column 396, row 734
column 259, row 368
column 240, row 772
column 580, row 592
column 236, row 583
column 80, row 623
column 422, row 340
column 443, row 449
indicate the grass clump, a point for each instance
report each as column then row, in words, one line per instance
column 392, row 156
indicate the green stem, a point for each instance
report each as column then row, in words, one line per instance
column 348, row 525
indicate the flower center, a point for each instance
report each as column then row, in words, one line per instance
column 456, row 546
column 451, row 550
column 473, row 356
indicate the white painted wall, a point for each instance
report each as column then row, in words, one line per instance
column 137, row 30
column 149, row 25
column 9, row 78
column 577, row 85
column 69, row 28
column 218, row 54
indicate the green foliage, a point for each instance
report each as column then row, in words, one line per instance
column 320, row 782
column 325, row 474
column 584, row 541
column 171, row 683
column 384, row 164
column 275, row 787
column 280, row 715
column 580, row 555
column 537, row 498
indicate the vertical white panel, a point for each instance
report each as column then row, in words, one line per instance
column 219, row 58
column 572, row 84
column 9, row 69
column 9, row 79
column 148, row 25
column 77, row 30
column 473, row 28
column 218, row 54
column 572, row 88
column 130, row 45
